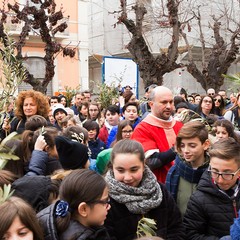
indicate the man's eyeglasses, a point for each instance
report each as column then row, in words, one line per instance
column 211, row 94
column 217, row 100
column 104, row 202
column 225, row 176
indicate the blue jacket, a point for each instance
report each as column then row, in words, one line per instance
column 41, row 164
column 112, row 135
column 96, row 147
column 75, row 109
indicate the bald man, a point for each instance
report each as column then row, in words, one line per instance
column 157, row 132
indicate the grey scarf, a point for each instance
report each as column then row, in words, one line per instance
column 138, row 200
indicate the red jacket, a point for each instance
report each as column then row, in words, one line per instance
column 153, row 137
column 103, row 134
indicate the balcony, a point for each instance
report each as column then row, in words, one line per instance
column 15, row 29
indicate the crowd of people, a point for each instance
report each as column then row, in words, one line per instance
column 87, row 173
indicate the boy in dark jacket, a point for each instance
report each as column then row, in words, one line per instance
column 94, row 143
column 213, row 207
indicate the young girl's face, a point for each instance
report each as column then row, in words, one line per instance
column 92, row 134
column 18, row 231
column 98, row 211
column 70, row 123
column 197, row 99
column 84, row 111
column 128, row 168
column 63, row 101
column 221, row 132
column 127, row 132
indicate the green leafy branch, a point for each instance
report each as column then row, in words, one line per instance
column 13, row 72
column 107, row 95
column 5, row 193
column 190, row 116
column 7, row 153
column 70, row 93
column 146, row 227
column 235, row 78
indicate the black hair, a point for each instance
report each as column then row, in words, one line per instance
column 130, row 104
column 91, row 186
column 91, row 125
column 112, row 109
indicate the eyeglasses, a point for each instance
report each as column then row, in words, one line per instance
column 225, row 176
column 207, row 101
column 127, row 131
column 211, row 94
column 217, row 100
column 104, row 202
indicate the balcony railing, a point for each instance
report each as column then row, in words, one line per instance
column 16, row 28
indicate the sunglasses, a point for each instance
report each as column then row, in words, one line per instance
column 217, row 100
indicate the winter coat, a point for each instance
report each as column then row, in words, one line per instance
column 96, row 147
column 103, row 134
column 182, row 180
column 210, row 211
column 122, row 224
column 41, row 164
column 75, row 230
column 16, row 125
column 34, row 190
column 75, row 109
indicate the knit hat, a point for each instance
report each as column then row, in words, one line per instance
column 69, row 111
column 58, row 107
column 72, row 155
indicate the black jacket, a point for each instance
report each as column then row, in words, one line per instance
column 75, row 230
column 33, row 189
column 122, row 224
column 210, row 212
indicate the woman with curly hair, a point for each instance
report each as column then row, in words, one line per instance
column 28, row 103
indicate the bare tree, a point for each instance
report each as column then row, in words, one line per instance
column 151, row 68
column 42, row 18
column 222, row 53
column 216, row 57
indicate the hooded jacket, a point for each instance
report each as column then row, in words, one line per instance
column 33, row 189
column 210, row 211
